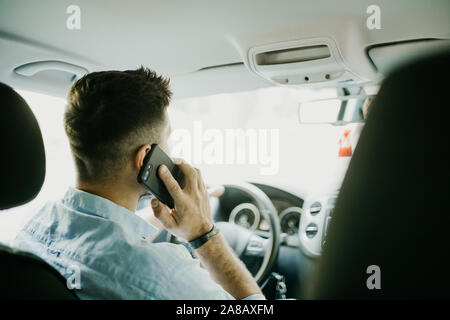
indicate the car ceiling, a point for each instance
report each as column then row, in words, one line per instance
column 201, row 45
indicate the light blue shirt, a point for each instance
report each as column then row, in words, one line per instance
column 103, row 246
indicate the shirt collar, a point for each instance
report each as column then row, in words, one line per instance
column 89, row 203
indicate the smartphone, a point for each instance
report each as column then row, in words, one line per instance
column 149, row 178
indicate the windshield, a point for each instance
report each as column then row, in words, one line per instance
column 256, row 136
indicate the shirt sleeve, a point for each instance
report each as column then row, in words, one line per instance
column 181, row 277
column 202, row 286
column 188, row 280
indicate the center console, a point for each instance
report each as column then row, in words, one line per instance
column 317, row 214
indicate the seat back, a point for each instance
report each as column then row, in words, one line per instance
column 22, row 167
column 392, row 212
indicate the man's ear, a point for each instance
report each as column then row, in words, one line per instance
column 140, row 155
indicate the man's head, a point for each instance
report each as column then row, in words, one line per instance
column 111, row 118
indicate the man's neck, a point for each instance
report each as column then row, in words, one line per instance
column 121, row 197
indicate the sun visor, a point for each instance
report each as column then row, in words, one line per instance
column 386, row 57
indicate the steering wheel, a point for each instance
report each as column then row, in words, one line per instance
column 246, row 242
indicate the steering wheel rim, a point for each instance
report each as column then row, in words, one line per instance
column 269, row 212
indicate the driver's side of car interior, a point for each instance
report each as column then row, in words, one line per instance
column 367, row 226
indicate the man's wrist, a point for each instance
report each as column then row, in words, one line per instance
column 200, row 241
column 200, row 230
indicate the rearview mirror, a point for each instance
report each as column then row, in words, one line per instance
column 335, row 111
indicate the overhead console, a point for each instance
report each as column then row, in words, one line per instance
column 301, row 62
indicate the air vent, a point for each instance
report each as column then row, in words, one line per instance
column 311, row 230
column 293, row 55
column 315, row 208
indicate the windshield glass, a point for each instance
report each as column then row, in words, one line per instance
column 256, row 136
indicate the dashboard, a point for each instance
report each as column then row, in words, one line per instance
column 248, row 216
column 303, row 220
column 238, row 208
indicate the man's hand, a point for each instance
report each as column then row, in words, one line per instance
column 191, row 217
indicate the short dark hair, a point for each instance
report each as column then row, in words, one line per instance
column 110, row 115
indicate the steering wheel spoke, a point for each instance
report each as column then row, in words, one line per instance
column 262, row 234
column 256, row 246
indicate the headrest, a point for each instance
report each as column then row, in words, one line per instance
column 22, row 165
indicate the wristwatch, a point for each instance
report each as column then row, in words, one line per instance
column 197, row 243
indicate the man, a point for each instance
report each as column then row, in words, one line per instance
column 111, row 120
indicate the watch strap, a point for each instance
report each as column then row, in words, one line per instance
column 197, row 243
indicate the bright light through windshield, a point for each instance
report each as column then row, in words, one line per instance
column 284, row 151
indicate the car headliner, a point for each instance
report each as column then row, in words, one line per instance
column 201, row 45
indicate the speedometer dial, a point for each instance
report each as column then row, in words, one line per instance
column 290, row 220
column 246, row 215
